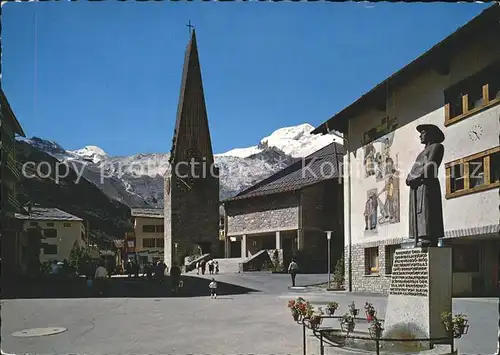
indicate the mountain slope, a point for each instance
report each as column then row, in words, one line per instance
column 137, row 180
column 108, row 218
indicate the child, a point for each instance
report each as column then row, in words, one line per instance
column 213, row 289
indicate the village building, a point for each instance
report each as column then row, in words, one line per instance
column 145, row 243
column 191, row 190
column 455, row 86
column 61, row 232
column 13, row 245
column 288, row 214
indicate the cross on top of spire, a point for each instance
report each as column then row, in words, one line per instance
column 190, row 27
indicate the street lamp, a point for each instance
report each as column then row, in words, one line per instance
column 329, row 237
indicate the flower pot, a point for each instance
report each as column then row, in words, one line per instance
column 460, row 329
column 315, row 322
column 331, row 311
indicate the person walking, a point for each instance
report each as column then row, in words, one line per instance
column 175, row 274
column 293, row 269
column 203, row 267
column 213, row 288
column 100, row 278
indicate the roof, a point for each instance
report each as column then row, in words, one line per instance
column 48, row 214
column 437, row 57
column 317, row 167
column 16, row 126
column 191, row 110
column 147, row 212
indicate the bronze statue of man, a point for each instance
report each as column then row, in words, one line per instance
column 426, row 209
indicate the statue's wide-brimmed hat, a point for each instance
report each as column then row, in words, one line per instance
column 433, row 131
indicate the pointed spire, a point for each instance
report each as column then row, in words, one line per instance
column 191, row 127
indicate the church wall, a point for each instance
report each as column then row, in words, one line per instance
column 264, row 214
column 420, row 101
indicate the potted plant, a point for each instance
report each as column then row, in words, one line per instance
column 294, row 309
column 370, row 312
column 315, row 319
column 331, row 307
column 353, row 310
column 375, row 329
column 456, row 325
column 347, row 323
column 299, row 308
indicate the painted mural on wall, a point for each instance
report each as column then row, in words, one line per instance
column 382, row 203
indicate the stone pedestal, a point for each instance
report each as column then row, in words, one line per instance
column 420, row 291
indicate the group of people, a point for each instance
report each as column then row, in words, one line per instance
column 158, row 270
column 213, row 267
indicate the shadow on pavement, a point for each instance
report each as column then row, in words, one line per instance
column 119, row 287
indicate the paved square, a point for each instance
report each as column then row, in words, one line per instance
column 253, row 323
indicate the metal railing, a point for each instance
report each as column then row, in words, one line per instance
column 318, row 333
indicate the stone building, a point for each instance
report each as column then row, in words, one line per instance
column 456, row 86
column 191, row 192
column 290, row 212
column 13, row 246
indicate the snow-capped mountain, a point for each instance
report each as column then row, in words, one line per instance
column 295, row 141
column 91, row 153
column 137, row 180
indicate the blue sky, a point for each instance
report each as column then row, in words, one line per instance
column 108, row 74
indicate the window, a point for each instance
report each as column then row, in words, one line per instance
column 50, row 224
column 471, row 95
column 50, row 249
column 390, row 250
column 33, row 224
column 465, row 258
column 50, row 233
column 66, row 225
column 160, row 243
column 495, row 168
column 474, row 173
column 457, row 177
column 148, row 228
column 149, row 243
column 371, row 261
column 159, row 228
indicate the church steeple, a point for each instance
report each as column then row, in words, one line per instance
column 191, row 128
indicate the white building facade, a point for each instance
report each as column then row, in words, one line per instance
column 148, row 235
column 455, row 86
column 61, row 232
